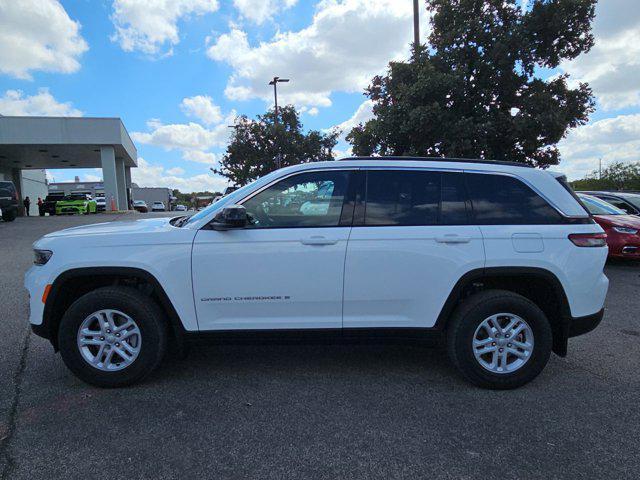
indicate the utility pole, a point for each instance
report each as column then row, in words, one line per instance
column 416, row 23
column 600, row 169
column 275, row 82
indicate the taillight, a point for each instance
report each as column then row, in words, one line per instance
column 589, row 239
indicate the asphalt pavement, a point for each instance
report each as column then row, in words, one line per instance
column 307, row 412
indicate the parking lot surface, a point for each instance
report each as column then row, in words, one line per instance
column 305, row 412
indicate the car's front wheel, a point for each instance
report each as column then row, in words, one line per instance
column 112, row 337
column 498, row 339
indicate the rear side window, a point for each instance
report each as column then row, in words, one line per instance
column 504, row 200
column 406, row 198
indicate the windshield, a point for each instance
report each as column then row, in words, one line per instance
column 216, row 205
column 600, row 207
column 632, row 199
column 75, row 197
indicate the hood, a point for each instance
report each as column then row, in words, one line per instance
column 618, row 220
column 109, row 228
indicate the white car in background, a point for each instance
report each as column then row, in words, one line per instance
column 101, row 204
column 181, row 208
column 157, row 207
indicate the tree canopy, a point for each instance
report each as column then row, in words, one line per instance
column 257, row 144
column 617, row 176
column 476, row 89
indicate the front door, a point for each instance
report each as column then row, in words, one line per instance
column 286, row 269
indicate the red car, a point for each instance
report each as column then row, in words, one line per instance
column 623, row 230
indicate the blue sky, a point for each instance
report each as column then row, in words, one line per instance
column 177, row 71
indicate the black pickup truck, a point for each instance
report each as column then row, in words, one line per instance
column 8, row 201
column 49, row 203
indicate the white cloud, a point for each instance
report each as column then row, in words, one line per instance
column 611, row 139
column 313, row 111
column 347, row 43
column 149, row 25
column 258, row 11
column 361, row 115
column 38, row 35
column 88, row 177
column 175, row 171
column 199, row 156
column 153, row 175
column 183, row 136
column 612, row 67
column 14, row 102
column 202, row 108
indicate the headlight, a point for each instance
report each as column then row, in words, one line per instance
column 41, row 256
column 631, row 231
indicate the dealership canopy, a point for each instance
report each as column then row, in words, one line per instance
column 63, row 142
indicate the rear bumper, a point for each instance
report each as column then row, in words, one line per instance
column 581, row 325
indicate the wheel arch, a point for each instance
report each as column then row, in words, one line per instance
column 72, row 284
column 537, row 284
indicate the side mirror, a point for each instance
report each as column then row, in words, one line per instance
column 231, row 217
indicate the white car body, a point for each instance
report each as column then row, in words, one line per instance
column 343, row 277
column 157, row 207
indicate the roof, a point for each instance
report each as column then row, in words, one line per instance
column 62, row 142
column 438, row 159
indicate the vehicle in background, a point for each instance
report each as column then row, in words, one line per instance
column 629, row 202
column 140, row 206
column 101, row 204
column 50, row 201
column 621, row 228
column 8, row 201
column 76, row 203
column 157, row 207
column 181, row 208
column 227, row 191
column 498, row 261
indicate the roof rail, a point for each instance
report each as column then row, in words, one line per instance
column 439, row 159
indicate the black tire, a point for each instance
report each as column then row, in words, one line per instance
column 146, row 314
column 9, row 215
column 472, row 312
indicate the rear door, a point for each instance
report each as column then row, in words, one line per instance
column 410, row 243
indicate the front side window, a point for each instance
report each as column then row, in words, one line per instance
column 504, row 200
column 312, row 199
column 414, row 198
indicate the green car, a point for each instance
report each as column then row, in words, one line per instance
column 80, row 203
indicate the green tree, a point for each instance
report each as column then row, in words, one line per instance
column 257, row 145
column 476, row 90
column 617, row 176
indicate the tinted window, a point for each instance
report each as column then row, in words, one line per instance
column 414, row 198
column 6, row 189
column 599, row 207
column 619, row 203
column 311, row 199
column 504, row 200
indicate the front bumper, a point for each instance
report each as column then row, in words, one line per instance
column 581, row 325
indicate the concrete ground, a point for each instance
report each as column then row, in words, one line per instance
column 305, row 412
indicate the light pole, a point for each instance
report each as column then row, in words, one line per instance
column 416, row 23
column 275, row 82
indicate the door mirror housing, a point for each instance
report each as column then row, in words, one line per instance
column 231, row 217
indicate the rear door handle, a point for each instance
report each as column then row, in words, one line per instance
column 452, row 239
column 318, row 240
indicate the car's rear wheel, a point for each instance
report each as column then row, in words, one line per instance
column 112, row 337
column 9, row 215
column 498, row 339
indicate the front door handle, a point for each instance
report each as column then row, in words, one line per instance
column 452, row 239
column 318, row 240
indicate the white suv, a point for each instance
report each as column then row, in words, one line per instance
column 497, row 260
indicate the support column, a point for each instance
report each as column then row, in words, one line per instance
column 127, row 181
column 16, row 175
column 109, row 175
column 122, row 185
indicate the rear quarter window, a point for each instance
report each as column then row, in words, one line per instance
column 6, row 189
column 505, row 200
